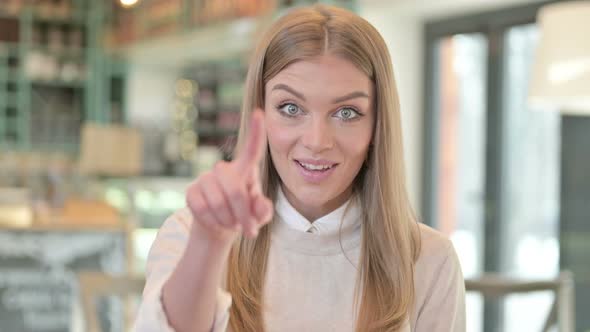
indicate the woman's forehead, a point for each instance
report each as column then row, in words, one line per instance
column 327, row 72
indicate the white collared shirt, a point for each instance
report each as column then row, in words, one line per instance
column 328, row 224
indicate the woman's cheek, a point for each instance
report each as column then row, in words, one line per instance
column 281, row 138
column 354, row 140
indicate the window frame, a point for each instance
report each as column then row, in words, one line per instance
column 494, row 25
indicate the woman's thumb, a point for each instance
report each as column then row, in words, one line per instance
column 263, row 209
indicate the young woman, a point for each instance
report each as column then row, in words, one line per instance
column 309, row 228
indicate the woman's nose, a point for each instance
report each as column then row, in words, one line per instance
column 318, row 136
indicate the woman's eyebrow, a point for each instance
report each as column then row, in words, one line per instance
column 352, row 95
column 290, row 90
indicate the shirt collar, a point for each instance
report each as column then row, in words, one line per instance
column 326, row 225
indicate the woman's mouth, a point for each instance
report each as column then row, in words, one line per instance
column 312, row 167
column 315, row 171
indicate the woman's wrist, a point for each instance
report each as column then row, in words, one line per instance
column 212, row 246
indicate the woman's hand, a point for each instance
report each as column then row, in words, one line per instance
column 229, row 198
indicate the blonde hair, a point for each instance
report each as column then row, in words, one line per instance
column 390, row 236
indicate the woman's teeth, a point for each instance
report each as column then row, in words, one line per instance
column 315, row 167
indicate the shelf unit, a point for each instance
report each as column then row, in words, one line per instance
column 217, row 101
column 221, row 83
column 54, row 74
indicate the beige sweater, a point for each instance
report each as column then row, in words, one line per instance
column 310, row 278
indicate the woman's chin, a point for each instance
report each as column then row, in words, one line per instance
column 315, row 197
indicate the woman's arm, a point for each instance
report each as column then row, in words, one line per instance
column 163, row 261
column 190, row 295
column 187, row 259
column 444, row 305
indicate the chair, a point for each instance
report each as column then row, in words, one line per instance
column 563, row 309
column 94, row 284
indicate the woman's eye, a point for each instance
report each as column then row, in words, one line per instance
column 347, row 113
column 289, row 109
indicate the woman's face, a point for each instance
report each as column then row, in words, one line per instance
column 319, row 119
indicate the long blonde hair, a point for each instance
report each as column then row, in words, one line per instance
column 390, row 236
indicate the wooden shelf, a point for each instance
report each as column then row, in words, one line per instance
column 64, row 20
column 81, row 32
column 232, row 39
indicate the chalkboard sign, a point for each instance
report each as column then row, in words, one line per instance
column 38, row 285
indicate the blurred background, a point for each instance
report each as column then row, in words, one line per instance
column 109, row 108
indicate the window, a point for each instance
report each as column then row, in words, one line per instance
column 492, row 164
